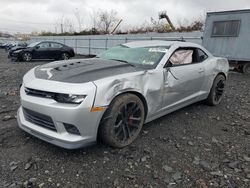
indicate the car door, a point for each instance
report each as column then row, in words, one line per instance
column 183, row 81
column 55, row 50
column 41, row 51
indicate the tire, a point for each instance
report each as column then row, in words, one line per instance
column 217, row 91
column 27, row 57
column 123, row 121
column 65, row 56
column 246, row 68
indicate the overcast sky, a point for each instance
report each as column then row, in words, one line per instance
column 36, row 15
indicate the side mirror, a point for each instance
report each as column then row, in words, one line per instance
column 37, row 47
column 168, row 65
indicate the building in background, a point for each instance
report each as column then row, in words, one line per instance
column 227, row 34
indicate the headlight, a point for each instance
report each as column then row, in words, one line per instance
column 69, row 98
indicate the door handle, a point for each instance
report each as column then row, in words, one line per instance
column 200, row 70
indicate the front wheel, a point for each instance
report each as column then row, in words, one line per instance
column 123, row 121
column 27, row 56
column 217, row 91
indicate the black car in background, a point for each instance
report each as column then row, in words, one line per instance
column 42, row 50
column 2, row 44
column 6, row 45
column 17, row 45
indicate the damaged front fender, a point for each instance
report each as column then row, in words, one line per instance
column 148, row 83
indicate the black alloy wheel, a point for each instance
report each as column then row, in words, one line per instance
column 128, row 121
column 217, row 91
column 122, row 121
column 27, row 57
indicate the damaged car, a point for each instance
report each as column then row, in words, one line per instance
column 74, row 103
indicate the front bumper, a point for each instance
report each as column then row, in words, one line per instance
column 80, row 116
column 13, row 56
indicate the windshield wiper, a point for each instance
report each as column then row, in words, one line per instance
column 123, row 61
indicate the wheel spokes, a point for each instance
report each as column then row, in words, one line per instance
column 135, row 118
column 128, row 131
column 219, row 90
column 128, row 121
column 119, row 131
column 124, row 133
column 134, row 125
column 118, row 125
column 135, row 109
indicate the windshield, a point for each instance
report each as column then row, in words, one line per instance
column 33, row 44
column 147, row 57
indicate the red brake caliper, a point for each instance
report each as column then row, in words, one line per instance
column 130, row 120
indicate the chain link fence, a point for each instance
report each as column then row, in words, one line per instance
column 92, row 45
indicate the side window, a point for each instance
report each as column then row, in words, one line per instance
column 228, row 28
column 44, row 45
column 202, row 56
column 182, row 57
column 56, row 45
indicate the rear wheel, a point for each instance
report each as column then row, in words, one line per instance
column 65, row 56
column 217, row 91
column 27, row 56
column 123, row 121
column 246, row 68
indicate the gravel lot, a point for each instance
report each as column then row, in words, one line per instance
column 198, row 146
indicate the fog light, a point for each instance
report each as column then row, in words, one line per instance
column 71, row 129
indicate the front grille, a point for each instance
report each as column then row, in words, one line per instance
column 39, row 119
column 39, row 93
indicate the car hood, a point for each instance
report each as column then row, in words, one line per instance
column 82, row 70
column 17, row 48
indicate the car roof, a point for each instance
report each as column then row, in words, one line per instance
column 49, row 41
column 148, row 43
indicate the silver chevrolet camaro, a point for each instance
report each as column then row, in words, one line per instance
column 74, row 103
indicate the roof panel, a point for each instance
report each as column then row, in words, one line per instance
column 242, row 11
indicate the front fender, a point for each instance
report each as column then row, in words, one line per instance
column 148, row 83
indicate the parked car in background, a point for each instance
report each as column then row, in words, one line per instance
column 43, row 50
column 9, row 45
column 6, row 44
column 15, row 45
column 110, row 97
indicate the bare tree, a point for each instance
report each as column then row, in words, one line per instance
column 93, row 17
column 79, row 19
column 58, row 23
column 196, row 24
column 68, row 25
column 105, row 20
column 65, row 24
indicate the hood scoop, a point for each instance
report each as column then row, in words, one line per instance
column 71, row 66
